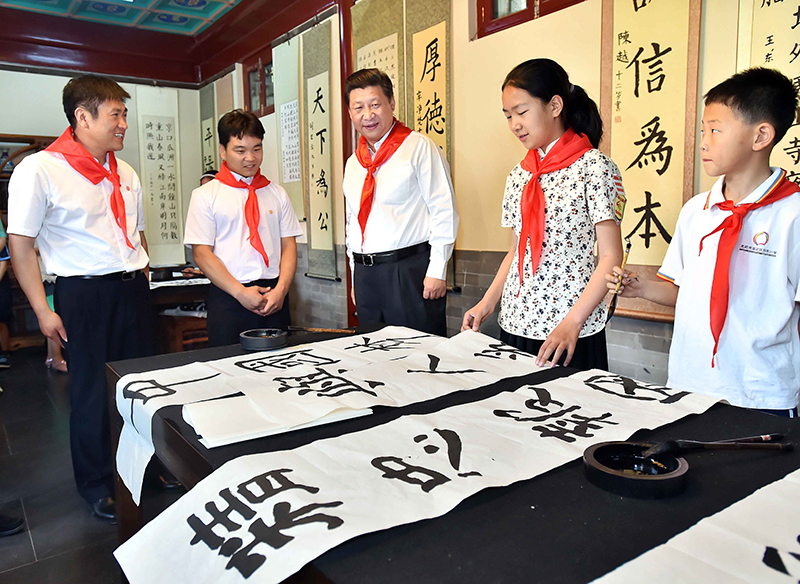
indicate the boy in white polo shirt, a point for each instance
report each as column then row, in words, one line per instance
column 732, row 270
column 242, row 230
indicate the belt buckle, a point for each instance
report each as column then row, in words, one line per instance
column 128, row 276
column 370, row 257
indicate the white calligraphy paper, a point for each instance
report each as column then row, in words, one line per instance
column 320, row 199
column 380, row 54
column 265, row 516
column 755, row 540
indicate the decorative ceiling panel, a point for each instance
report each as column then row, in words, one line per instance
column 187, row 17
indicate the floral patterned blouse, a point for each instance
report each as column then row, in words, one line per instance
column 576, row 198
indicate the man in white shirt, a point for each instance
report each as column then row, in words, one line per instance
column 242, row 230
column 84, row 209
column 401, row 213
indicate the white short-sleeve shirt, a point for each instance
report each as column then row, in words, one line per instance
column 71, row 218
column 216, row 218
column 576, row 199
column 413, row 202
column 758, row 358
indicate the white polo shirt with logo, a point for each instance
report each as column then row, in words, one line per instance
column 758, row 357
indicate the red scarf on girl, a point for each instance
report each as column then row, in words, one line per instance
column 396, row 136
column 251, row 213
column 569, row 148
column 731, row 227
column 87, row 166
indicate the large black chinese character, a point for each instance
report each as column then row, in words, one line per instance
column 325, row 384
column 567, row 425
column 432, row 116
column 246, row 562
column 631, row 389
column 772, row 558
column 654, row 146
column 321, row 183
column 793, row 149
column 654, row 69
column 502, row 351
column 454, row 447
column 367, row 345
column 431, row 59
column 394, row 467
column 285, row 361
column 144, row 390
column 648, row 219
column 321, row 136
column 318, row 101
column 433, row 368
column 639, row 4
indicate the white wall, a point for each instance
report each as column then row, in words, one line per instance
column 483, row 149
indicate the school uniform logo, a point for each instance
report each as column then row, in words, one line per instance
column 761, row 238
column 619, row 200
column 759, row 247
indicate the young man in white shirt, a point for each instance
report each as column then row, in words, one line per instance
column 84, row 209
column 400, row 210
column 242, row 230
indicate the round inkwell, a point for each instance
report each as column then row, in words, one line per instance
column 262, row 339
column 620, row 468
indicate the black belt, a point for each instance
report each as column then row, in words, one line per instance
column 124, row 276
column 385, row 257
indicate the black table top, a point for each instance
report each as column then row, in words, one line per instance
column 554, row 528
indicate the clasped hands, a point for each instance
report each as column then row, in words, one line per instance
column 260, row 299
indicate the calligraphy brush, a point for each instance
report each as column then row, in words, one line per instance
column 754, row 443
column 612, row 306
column 311, row 329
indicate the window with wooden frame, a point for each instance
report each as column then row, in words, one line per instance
column 497, row 15
column 259, row 90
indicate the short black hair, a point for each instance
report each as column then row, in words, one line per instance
column 759, row 95
column 239, row 123
column 88, row 92
column 364, row 78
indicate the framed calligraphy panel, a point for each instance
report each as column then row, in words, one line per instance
column 648, row 102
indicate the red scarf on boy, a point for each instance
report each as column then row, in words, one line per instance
column 731, row 227
column 396, row 137
column 251, row 213
column 87, row 166
column 569, row 148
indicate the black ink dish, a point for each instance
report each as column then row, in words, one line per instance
column 262, row 339
column 620, row 468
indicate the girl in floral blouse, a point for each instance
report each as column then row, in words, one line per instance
column 562, row 197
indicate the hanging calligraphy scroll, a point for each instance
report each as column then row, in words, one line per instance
column 159, row 155
column 317, row 130
column 649, row 108
column 318, row 120
column 428, row 68
column 377, row 25
column 380, row 54
column 208, row 129
column 430, row 83
column 286, row 71
column 776, row 44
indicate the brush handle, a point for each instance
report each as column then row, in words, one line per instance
column 761, row 438
column 693, row 445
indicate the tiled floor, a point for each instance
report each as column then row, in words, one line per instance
column 61, row 542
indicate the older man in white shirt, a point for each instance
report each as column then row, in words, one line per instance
column 401, row 213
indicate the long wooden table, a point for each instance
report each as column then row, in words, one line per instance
column 554, row 528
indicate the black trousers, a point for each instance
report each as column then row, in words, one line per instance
column 105, row 320
column 227, row 318
column 391, row 293
column 590, row 352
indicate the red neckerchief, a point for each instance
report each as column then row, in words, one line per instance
column 87, row 166
column 731, row 227
column 396, row 136
column 251, row 213
column 569, row 148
